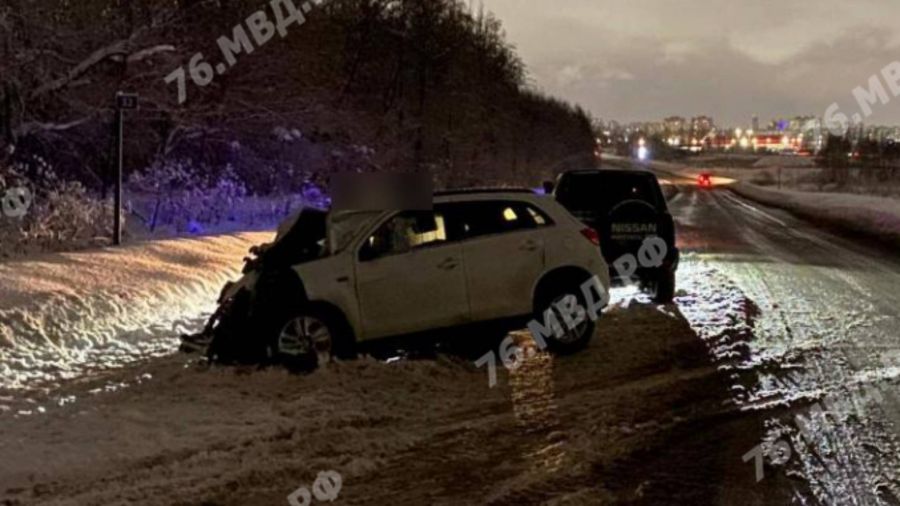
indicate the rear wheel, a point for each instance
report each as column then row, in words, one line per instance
column 574, row 338
column 662, row 286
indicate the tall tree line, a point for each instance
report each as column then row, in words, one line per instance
column 428, row 84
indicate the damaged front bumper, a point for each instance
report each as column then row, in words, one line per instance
column 227, row 313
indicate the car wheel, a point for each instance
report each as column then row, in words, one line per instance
column 310, row 339
column 572, row 339
column 663, row 287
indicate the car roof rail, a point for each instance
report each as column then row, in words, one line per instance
column 590, row 169
column 471, row 191
column 602, row 170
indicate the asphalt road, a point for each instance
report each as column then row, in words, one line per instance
column 825, row 336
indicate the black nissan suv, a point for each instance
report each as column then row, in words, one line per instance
column 626, row 207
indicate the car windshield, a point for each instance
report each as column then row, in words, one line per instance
column 599, row 192
column 345, row 225
column 300, row 238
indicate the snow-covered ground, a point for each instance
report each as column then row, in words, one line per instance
column 816, row 350
column 641, row 417
column 876, row 217
column 64, row 314
column 98, row 409
column 661, row 408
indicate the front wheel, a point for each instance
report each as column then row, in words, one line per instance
column 310, row 339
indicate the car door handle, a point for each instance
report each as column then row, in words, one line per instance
column 448, row 264
column 529, row 245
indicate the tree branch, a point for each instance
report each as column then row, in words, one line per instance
column 118, row 49
column 146, row 53
column 37, row 126
column 76, row 71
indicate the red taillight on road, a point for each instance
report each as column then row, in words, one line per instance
column 591, row 235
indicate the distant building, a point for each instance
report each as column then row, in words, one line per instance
column 675, row 125
column 755, row 123
column 892, row 134
column 857, row 132
column 779, row 125
column 800, row 124
column 701, row 126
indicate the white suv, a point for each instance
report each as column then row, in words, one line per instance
column 332, row 282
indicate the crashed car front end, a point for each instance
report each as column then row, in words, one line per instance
column 238, row 330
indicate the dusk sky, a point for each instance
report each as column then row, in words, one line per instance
column 647, row 59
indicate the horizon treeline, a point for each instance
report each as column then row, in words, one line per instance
column 362, row 85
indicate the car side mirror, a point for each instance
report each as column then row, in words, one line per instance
column 549, row 187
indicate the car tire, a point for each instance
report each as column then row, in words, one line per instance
column 664, row 287
column 574, row 340
column 310, row 338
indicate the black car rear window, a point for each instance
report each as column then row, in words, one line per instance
column 601, row 191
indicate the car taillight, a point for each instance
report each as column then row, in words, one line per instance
column 591, row 235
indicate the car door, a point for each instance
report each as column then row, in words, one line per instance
column 410, row 277
column 504, row 255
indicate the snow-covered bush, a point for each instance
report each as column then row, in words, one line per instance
column 60, row 215
column 175, row 194
column 67, row 216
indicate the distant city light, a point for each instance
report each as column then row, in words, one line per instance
column 798, row 135
column 643, row 153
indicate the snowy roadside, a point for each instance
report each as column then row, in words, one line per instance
column 63, row 314
column 875, row 217
column 640, row 417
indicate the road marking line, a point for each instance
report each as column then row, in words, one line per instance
column 755, row 210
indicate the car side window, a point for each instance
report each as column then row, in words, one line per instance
column 403, row 233
column 477, row 219
column 540, row 219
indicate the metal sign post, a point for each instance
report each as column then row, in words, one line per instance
column 124, row 102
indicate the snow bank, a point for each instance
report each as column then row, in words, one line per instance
column 785, row 161
column 62, row 314
column 616, row 420
column 876, row 217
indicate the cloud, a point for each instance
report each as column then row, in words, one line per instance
column 678, row 51
column 645, row 60
column 568, row 75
